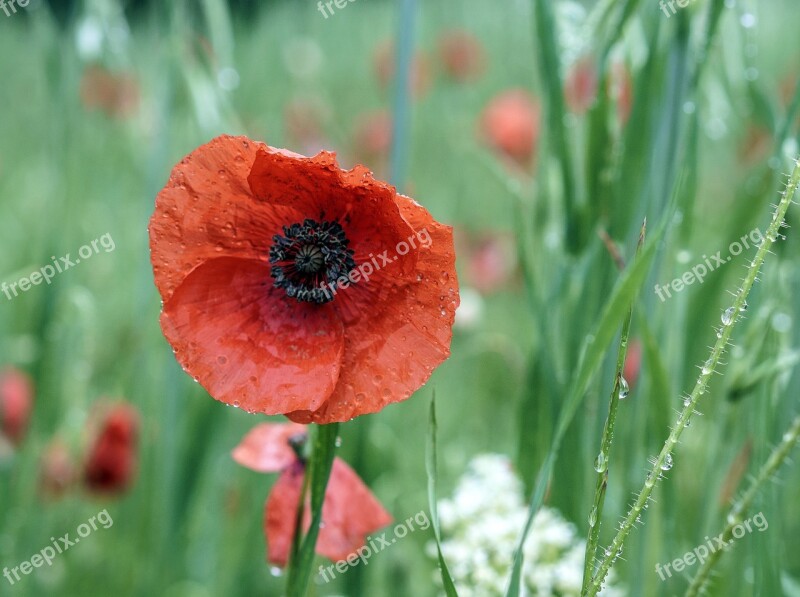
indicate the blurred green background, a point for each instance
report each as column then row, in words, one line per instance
column 101, row 98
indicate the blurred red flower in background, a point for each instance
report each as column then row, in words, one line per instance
column 633, row 363
column 385, row 65
column 510, row 125
column 16, row 403
column 115, row 94
column 350, row 511
column 112, row 456
column 252, row 248
column 462, row 55
column 372, row 138
column 305, row 119
column 56, row 469
column 491, row 259
column 580, row 87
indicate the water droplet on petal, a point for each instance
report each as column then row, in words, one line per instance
column 275, row 571
column 593, row 516
column 708, row 367
column 667, row 464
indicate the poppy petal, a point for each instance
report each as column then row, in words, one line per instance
column 248, row 346
column 391, row 352
column 266, row 448
column 280, row 514
column 350, row 513
column 320, row 190
column 207, row 211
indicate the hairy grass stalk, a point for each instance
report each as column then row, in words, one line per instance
column 730, row 316
column 602, row 464
column 779, row 455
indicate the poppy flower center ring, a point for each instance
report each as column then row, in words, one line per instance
column 308, row 259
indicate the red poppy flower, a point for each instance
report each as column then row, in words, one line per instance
column 350, row 511
column 510, row 124
column 462, row 55
column 292, row 287
column 111, row 461
column 16, row 402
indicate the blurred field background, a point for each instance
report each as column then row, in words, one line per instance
column 100, row 99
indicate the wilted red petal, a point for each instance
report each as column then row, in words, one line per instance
column 266, row 447
column 280, row 513
column 16, row 402
column 350, row 513
column 393, row 351
column 249, row 346
column 112, row 457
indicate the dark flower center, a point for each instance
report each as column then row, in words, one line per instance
column 308, row 259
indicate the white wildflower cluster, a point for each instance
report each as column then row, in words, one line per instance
column 481, row 526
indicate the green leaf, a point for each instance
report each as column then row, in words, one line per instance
column 431, row 467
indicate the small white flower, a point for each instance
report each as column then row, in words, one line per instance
column 481, row 525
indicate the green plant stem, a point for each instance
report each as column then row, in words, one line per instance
column 700, row 582
column 625, row 527
column 596, row 512
column 318, row 472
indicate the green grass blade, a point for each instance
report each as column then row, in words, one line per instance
column 431, row 467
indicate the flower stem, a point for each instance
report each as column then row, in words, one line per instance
column 318, row 471
column 776, row 459
column 603, row 459
column 729, row 319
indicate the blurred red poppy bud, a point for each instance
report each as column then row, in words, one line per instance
column 462, row 56
column 112, row 458
column 510, row 125
column 16, row 402
column 633, row 363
